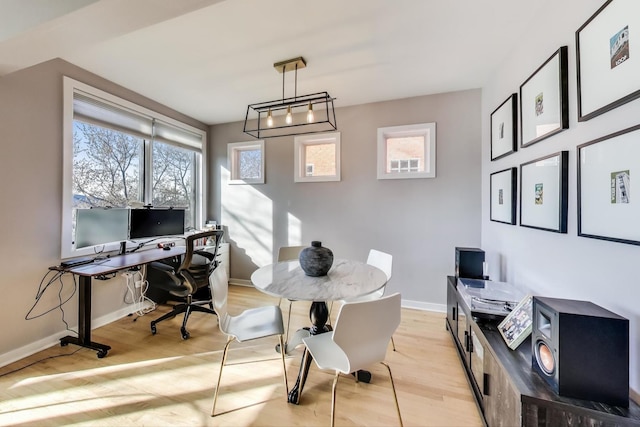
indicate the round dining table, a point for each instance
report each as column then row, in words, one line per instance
column 346, row 279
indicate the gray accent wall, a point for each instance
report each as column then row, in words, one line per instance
column 551, row 264
column 31, row 183
column 418, row 221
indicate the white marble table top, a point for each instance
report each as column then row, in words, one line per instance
column 346, row 279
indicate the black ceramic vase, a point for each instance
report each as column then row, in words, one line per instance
column 316, row 260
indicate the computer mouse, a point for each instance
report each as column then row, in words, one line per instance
column 166, row 248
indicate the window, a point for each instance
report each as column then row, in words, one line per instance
column 119, row 154
column 317, row 157
column 407, row 151
column 246, row 162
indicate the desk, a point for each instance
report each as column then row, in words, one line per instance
column 345, row 279
column 106, row 266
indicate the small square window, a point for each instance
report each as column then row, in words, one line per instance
column 407, row 151
column 317, row 157
column 246, row 162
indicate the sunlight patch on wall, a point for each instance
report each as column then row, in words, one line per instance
column 294, row 231
column 248, row 214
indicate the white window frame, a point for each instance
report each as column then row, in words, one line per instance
column 70, row 86
column 233, row 149
column 300, row 162
column 428, row 130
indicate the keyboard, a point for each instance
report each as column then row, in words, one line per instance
column 76, row 262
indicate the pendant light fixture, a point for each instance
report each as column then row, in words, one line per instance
column 297, row 115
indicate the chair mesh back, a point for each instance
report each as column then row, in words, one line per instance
column 199, row 265
column 365, row 328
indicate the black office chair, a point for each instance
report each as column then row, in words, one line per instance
column 192, row 275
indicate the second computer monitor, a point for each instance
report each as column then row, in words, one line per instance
column 155, row 222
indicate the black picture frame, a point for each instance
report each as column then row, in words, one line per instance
column 504, row 192
column 607, row 78
column 544, row 100
column 544, row 188
column 504, row 128
column 605, row 168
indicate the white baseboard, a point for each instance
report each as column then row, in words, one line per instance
column 424, row 306
column 44, row 343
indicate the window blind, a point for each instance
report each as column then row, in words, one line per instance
column 105, row 113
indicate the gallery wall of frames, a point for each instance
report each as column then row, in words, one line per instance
column 607, row 73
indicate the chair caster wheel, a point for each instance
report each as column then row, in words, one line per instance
column 63, row 343
column 153, row 329
column 101, row 354
column 185, row 334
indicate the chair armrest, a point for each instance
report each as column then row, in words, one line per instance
column 208, row 255
column 168, row 270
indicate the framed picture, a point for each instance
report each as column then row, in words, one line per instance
column 544, row 105
column 504, row 134
column 503, row 196
column 607, row 67
column 605, row 168
column 518, row 324
column 544, row 186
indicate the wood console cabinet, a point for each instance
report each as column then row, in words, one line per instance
column 508, row 392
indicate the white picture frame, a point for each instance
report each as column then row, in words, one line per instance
column 544, row 193
column 605, row 168
column 503, row 189
column 544, row 104
column 504, row 129
column 607, row 69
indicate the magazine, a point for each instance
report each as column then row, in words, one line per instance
column 517, row 325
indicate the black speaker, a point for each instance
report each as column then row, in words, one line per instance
column 581, row 350
column 469, row 263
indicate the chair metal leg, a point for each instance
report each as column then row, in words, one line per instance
column 393, row 344
column 395, row 395
column 286, row 340
column 222, row 362
column 333, row 399
column 284, row 366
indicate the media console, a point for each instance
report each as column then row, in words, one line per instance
column 507, row 390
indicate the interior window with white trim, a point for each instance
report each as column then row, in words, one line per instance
column 317, row 157
column 246, row 162
column 407, row 151
column 118, row 154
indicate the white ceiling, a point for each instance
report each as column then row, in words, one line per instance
column 210, row 58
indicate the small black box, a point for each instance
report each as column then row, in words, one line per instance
column 469, row 263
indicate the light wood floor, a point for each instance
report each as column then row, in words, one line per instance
column 161, row 380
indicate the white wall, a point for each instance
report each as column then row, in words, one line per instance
column 31, row 194
column 419, row 221
column 551, row 264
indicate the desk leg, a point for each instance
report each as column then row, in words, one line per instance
column 84, row 321
column 318, row 313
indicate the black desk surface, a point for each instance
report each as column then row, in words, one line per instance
column 121, row 262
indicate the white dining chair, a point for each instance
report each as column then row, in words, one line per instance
column 253, row 323
column 288, row 253
column 359, row 339
column 384, row 262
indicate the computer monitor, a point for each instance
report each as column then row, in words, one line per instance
column 155, row 222
column 100, row 226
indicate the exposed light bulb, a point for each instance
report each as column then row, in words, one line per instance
column 310, row 117
column 289, row 118
column 269, row 119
